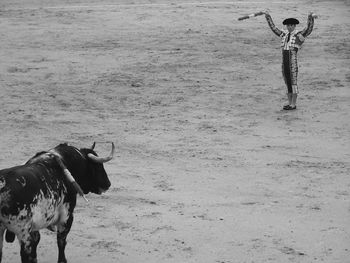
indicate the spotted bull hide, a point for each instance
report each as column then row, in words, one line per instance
column 39, row 194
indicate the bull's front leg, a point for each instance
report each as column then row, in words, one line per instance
column 28, row 247
column 2, row 230
column 62, row 232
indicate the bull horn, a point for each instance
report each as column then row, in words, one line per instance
column 93, row 146
column 97, row 159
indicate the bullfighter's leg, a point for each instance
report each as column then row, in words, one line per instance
column 29, row 244
column 2, row 230
column 62, row 232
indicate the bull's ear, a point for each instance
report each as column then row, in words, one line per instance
column 93, row 146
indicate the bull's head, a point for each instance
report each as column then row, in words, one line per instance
column 98, row 179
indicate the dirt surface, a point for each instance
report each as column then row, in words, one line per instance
column 208, row 167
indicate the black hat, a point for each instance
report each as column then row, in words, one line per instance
column 290, row 21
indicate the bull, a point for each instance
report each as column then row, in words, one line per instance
column 42, row 193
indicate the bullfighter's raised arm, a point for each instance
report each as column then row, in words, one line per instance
column 271, row 24
column 310, row 25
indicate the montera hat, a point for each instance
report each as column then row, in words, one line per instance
column 290, row 21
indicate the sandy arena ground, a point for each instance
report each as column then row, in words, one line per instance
column 208, row 168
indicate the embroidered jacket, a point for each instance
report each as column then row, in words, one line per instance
column 296, row 38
